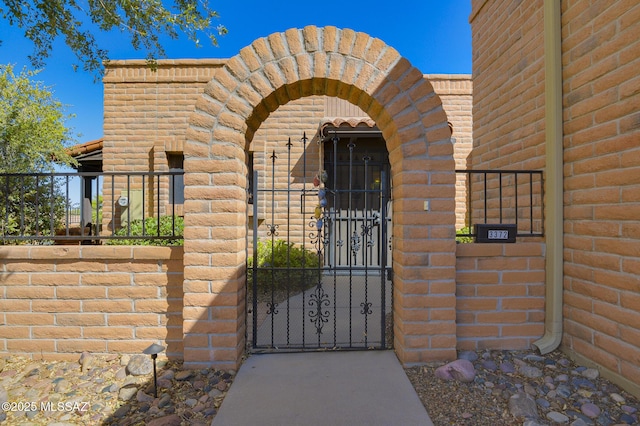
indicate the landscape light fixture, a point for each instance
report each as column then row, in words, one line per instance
column 154, row 350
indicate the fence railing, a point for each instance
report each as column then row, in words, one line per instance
column 58, row 208
column 504, row 197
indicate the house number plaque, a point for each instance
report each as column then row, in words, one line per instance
column 496, row 233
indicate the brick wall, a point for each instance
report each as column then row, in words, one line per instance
column 500, row 295
column 59, row 301
column 145, row 116
column 601, row 91
column 508, row 83
column 455, row 91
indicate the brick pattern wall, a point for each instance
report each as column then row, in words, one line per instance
column 508, row 103
column 508, row 78
column 455, row 91
column 500, row 291
column 145, row 115
column 601, row 93
column 601, row 86
column 59, row 301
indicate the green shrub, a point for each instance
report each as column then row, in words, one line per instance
column 136, row 229
column 465, row 230
column 282, row 265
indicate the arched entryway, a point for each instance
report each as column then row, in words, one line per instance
column 271, row 72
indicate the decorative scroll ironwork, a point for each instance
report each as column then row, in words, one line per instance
column 366, row 308
column 317, row 300
column 272, row 230
column 272, row 308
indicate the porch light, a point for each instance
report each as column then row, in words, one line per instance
column 154, row 350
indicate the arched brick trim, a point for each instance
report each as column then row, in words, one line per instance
column 265, row 75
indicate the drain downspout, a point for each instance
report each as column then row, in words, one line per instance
column 554, row 180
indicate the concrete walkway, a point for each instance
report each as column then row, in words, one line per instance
column 330, row 388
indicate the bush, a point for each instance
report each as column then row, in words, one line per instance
column 150, row 228
column 282, row 265
column 465, row 230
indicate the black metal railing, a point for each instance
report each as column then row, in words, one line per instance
column 122, row 207
column 504, row 197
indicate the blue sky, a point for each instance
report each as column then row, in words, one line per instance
column 434, row 35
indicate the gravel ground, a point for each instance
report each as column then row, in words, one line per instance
column 557, row 392
column 509, row 388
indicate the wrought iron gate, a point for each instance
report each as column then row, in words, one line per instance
column 319, row 277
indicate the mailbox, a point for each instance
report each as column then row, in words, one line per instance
column 496, row 233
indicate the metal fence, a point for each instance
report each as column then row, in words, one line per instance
column 504, row 197
column 59, row 208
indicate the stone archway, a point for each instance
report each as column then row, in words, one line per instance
column 263, row 76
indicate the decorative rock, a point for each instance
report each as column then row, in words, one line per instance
column 191, row 402
column 143, row 397
column 534, row 358
column 590, row 410
column 528, row 389
column 629, row 410
column 530, row 372
column 461, row 370
column 579, row 422
column 554, row 416
column 214, row 392
column 170, row 420
column 122, row 411
column 543, row 403
column 130, row 380
column 507, row 367
column 184, row 375
column 164, row 401
column 468, row 355
column 626, row 418
column 604, row 420
column 85, row 361
column 564, row 391
column 124, row 360
column 121, row 374
column 140, row 365
column 564, row 362
column 580, row 382
column 164, row 383
column 126, row 394
column 489, row 365
column 168, row 375
column 591, row 373
column 62, row 386
column 4, row 396
column 617, row 398
column 522, row 405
